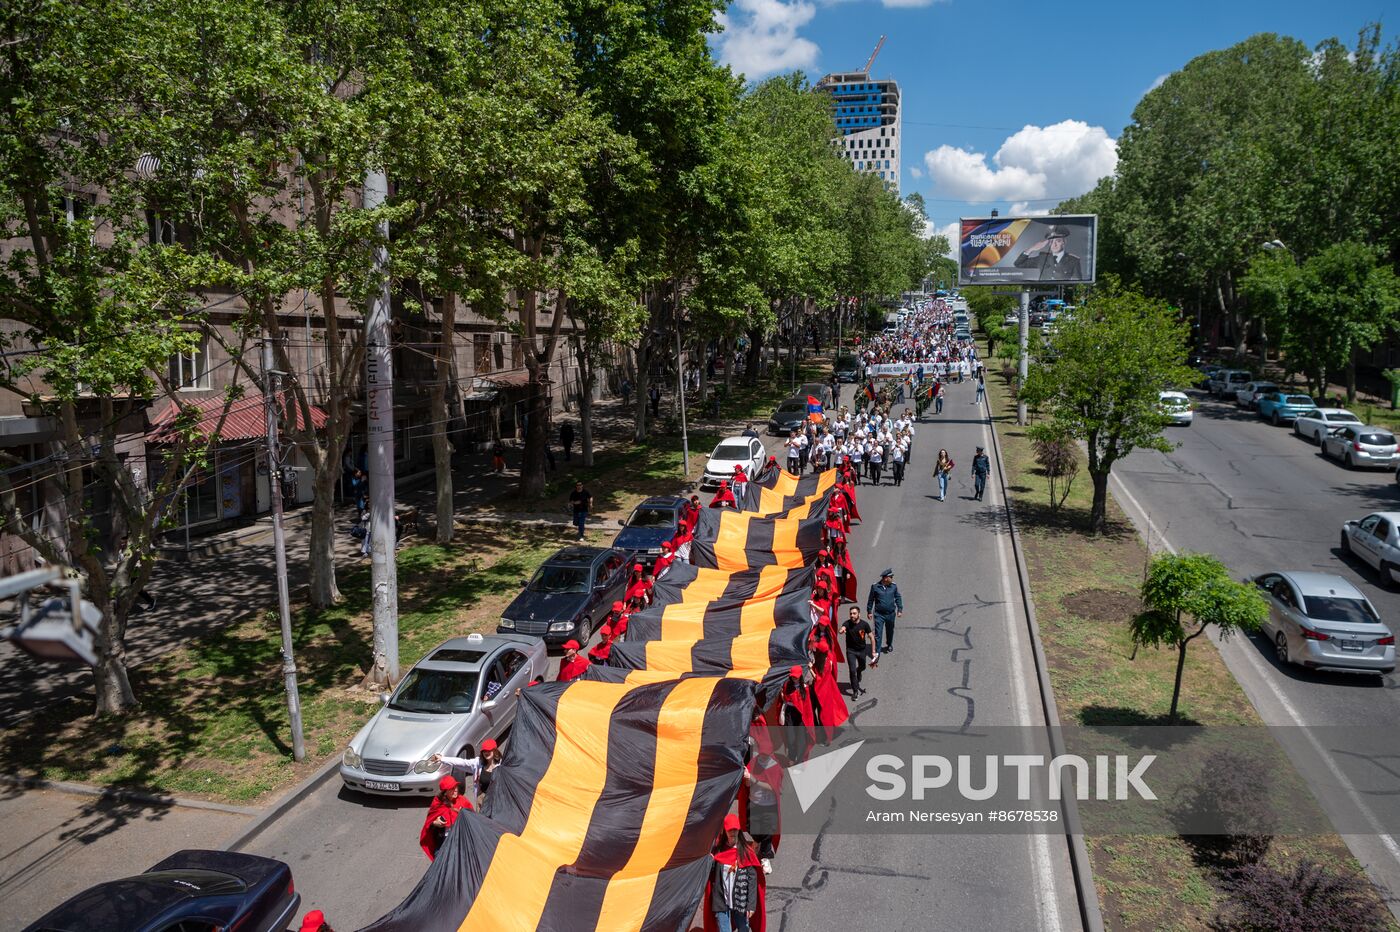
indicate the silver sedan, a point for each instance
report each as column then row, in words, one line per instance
column 1323, row 622
column 1359, row 445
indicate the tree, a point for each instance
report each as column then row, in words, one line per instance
column 1101, row 379
column 1185, row 594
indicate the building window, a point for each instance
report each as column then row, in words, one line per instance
column 481, row 352
column 189, row 371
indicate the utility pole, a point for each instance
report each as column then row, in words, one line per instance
column 680, row 389
column 273, row 380
column 1024, row 368
column 379, row 418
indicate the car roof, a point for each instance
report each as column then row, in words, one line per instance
column 1334, row 411
column 1369, row 429
column 576, row 556
column 1322, row 584
column 734, row 442
column 1171, row 392
column 661, row 501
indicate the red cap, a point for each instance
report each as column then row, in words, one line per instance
column 638, row 567
column 823, row 552
column 618, row 606
column 796, row 672
column 731, row 822
column 488, row 745
column 667, row 545
column 571, row 645
column 605, row 630
column 313, row 921
column 448, row 782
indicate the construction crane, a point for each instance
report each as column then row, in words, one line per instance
column 866, row 69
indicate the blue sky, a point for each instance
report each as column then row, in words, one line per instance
column 1015, row 104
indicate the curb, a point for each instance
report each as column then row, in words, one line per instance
column 117, row 793
column 1085, row 892
column 289, row 799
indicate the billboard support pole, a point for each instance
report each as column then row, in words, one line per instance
column 1024, row 368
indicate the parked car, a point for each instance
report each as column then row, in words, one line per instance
column 1360, row 445
column 1281, row 406
column 1176, row 406
column 1248, row 396
column 1323, row 622
column 729, row 452
column 818, row 390
column 1373, row 539
column 651, row 523
column 1226, row 382
column 190, row 891
column 1207, row 373
column 1316, row 423
column 847, row 368
column 787, row 416
column 567, row 594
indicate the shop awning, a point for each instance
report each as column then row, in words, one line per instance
column 246, row 420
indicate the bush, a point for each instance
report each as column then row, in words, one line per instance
column 1058, row 455
column 1305, row 898
column 1230, row 800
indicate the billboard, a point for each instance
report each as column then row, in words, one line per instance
column 1028, row 250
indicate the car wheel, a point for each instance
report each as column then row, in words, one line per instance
column 1274, row 420
column 1349, row 462
column 1346, row 545
column 1281, row 647
column 1388, row 575
column 585, row 631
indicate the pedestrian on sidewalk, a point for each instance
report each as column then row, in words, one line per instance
column 884, row 604
column 359, row 489
column 581, row 501
column 981, row 469
column 144, row 599
column 942, row 469
column 626, row 390
column 981, row 388
column 858, row 647
column 654, row 395
column 566, row 439
column 498, row 456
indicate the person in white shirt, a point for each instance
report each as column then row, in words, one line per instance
column 875, row 456
column 897, row 463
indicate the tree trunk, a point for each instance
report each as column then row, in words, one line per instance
column 442, row 447
column 1098, row 513
column 1180, row 669
column 755, row 358
column 321, row 551
column 586, row 377
column 113, row 686
column 1351, row 378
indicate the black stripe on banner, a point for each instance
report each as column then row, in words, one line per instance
column 759, row 544
column 722, row 615
column 513, row 786
column 576, row 894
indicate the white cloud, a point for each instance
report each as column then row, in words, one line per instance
column 916, row 171
column 1022, row 209
column 1034, row 164
column 760, row 37
column 948, row 230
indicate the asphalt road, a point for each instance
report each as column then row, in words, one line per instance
column 962, row 661
column 1262, row 499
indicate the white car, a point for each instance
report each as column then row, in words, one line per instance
column 1248, row 397
column 744, row 451
column 1226, row 382
column 1176, row 406
column 1374, row 539
column 1323, row 622
column 461, row 693
column 1319, row 422
column 1357, row 445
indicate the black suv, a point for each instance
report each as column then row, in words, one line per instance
column 653, row 522
column 568, row 594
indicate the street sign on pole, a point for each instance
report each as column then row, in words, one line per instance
column 379, row 419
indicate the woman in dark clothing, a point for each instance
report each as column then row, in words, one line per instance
column 733, row 893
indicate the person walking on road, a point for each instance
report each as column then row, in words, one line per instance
column 884, row 604
column 733, row 888
column 897, row 463
column 498, row 456
column 981, row 389
column 581, row 501
column 981, row 469
column 442, row 812
column 858, row 647
column 942, row 469
column 937, row 396
column 654, row 395
column 566, row 439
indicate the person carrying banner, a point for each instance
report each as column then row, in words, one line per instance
column 482, row 768
column 734, row 893
column 573, row 665
column 724, row 497
column 760, row 798
column 599, row 652
column 831, row 711
column 442, row 814
column 795, row 714
column 739, row 484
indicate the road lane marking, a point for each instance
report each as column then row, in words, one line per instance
column 878, row 528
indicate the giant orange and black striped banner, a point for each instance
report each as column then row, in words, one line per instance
column 735, row 541
column 776, row 490
column 601, row 817
column 719, row 590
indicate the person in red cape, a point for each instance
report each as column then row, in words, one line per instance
column 760, row 803
column 845, row 518
column 315, row 921
column 573, row 664
column 832, row 531
column 639, row 591
column 600, row 651
column 795, row 714
column 832, row 711
column 691, row 514
column 845, row 573
column 442, row 813
column 663, row 562
column 847, row 491
column 736, row 891
column 826, row 568
column 616, row 620
column 824, row 608
column 724, row 497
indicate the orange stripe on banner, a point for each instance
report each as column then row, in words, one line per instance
column 749, row 657
column 731, row 541
column 757, row 614
column 785, row 541
column 513, row 892
column 679, row 728
column 678, row 618
column 770, row 501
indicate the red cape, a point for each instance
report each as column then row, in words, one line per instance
column 833, row 705
column 801, row 699
column 825, row 630
column 599, row 653
column 848, row 590
column 439, row 808
column 570, row 670
column 759, row 922
column 724, row 498
column 849, row 491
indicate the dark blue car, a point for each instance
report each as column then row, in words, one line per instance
column 652, row 522
column 568, row 596
column 192, row 891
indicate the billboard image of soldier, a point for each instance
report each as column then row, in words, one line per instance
column 1024, row 250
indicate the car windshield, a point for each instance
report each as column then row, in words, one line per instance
column 1297, row 400
column 730, row 452
column 435, row 691
column 1175, row 401
column 652, row 517
column 1380, row 440
column 845, row 362
column 1336, row 608
column 789, row 406
column 560, row 579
